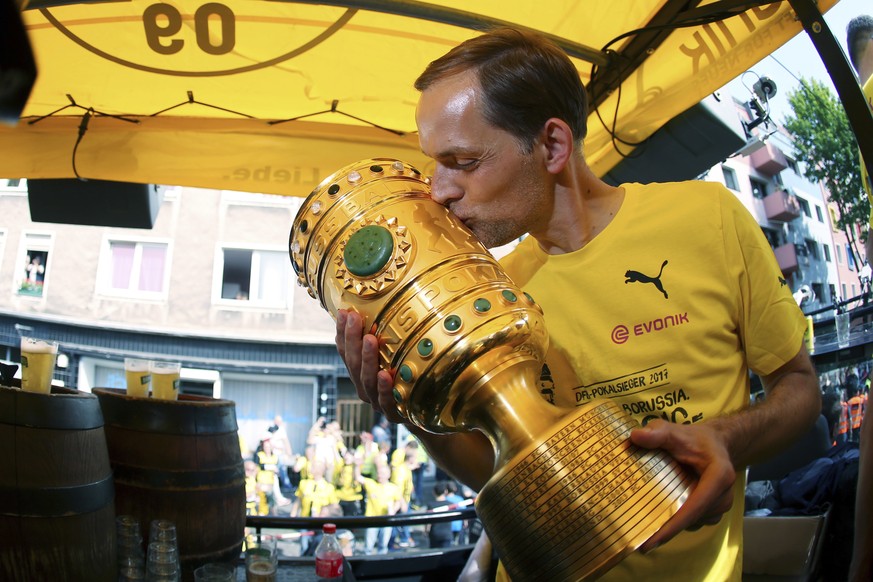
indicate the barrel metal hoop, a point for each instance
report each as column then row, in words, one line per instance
column 167, row 417
column 51, row 411
column 201, row 479
column 57, row 501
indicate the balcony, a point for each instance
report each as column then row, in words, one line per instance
column 781, row 206
column 769, row 160
column 786, row 256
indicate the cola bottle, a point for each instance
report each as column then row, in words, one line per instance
column 328, row 555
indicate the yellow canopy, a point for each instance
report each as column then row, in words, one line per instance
column 271, row 96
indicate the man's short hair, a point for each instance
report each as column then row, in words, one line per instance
column 858, row 33
column 526, row 79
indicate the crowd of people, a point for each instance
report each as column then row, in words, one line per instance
column 844, row 405
column 331, row 479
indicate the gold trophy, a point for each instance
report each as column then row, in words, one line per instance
column 570, row 495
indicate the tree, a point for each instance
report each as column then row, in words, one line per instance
column 824, row 141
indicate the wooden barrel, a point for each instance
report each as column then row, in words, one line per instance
column 179, row 460
column 57, row 517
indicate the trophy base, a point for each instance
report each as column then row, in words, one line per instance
column 573, row 506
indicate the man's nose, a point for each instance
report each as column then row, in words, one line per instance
column 443, row 188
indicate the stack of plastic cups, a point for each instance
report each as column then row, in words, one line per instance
column 131, row 559
column 163, row 558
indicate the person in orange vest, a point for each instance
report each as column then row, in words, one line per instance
column 842, row 435
column 856, row 414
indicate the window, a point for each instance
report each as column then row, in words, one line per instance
column 12, row 184
column 256, row 276
column 33, row 270
column 827, row 252
column 818, row 214
column 850, row 257
column 792, row 164
column 804, row 205
column 812, row 247
column 135, row 268
column 759, row 187
column 730, row 178
column 2, row 245
column 772, row 237
column 839, row 254
column 818, row 291
column 833, row 218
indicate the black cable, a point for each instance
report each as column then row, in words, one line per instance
column 83, row 127
column 691, row 22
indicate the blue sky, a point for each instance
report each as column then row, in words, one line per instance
column 798, row 58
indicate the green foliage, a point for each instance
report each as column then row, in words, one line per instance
column 824, row 141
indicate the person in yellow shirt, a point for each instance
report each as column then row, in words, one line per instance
column 348, row 489
column 314, row 493
column 312, row 497
column 256, row 502
column 383, row 498
column 671, row 283
column 268, row 479
column 401, row 475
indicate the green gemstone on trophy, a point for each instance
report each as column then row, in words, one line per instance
column 398, row 397
column 425, row 348
column 368, row 250
column 406, row 373
column 529, row 298
column 452, row 323
column 509, row 296
column 482, row 305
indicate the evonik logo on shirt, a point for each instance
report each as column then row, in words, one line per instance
column 621, row 333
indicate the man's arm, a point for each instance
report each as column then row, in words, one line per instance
column 716, row 449
column 467, row 456
column 861, row 569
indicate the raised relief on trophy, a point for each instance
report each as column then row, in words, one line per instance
column 570, row 495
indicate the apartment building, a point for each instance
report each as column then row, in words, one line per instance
column 210, row 285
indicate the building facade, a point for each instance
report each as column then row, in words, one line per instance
column 210, row 285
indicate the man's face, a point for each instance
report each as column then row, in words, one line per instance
column 481, row 173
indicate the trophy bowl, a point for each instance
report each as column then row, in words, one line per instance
column 570, row 495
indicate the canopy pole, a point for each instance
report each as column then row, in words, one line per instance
column 835, row 61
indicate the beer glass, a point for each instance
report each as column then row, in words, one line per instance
column 37, row 364
column 165, row 380
column 262, row 560
column 136, row 372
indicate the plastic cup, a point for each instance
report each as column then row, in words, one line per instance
column 127, row 525
column 162, row 562
column 165, row 380
column 842, row 321
column 214, row 573
column 139, row 379
column 162, row 531
column 38, row 364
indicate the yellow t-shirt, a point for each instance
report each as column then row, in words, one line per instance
column 347, row 487
column 665, row 312
column 380, row 496
column 401, row 475
column 314, row 495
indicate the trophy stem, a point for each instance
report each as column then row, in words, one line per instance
column 505, row 404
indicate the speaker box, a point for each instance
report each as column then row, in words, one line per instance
column 17, row 66
column 94, row 202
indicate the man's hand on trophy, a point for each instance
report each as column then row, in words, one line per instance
column 360, row 352
column 703, row 452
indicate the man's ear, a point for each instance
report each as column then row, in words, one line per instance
column 557, row 143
